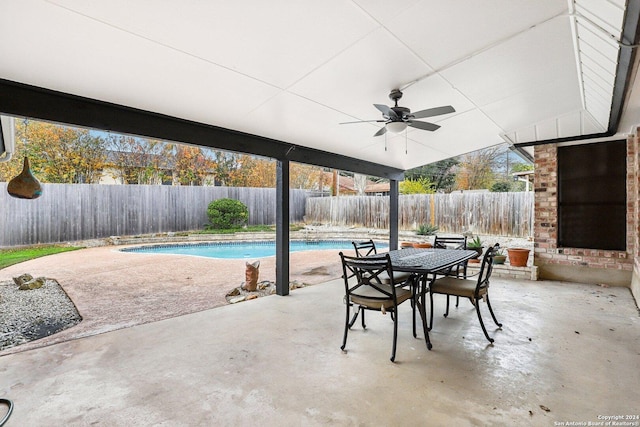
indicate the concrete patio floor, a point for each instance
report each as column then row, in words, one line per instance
column 567, row 353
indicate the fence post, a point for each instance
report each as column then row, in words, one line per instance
column 393, row 214
column 432, row 210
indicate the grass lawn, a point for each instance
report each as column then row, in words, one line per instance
column 14, row 256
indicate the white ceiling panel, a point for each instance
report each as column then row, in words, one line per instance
column 250, row 37
column 534, row 58
column 145, row 75
column 336, row 86
column 443, row 32
column 292, row 71
column 540, row 103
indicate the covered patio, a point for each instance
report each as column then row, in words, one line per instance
column 277, row 80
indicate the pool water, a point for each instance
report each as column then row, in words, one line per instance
column 239, row 250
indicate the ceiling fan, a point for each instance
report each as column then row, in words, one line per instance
column 396, row 119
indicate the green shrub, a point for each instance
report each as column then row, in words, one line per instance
column 501, row 187
column 418, row 186
column 227, row 213
column 426, row 230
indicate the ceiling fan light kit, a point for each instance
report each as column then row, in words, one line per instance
column 396, row 127
column 397, row 119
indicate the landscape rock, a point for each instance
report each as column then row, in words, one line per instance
column 22, row 279
column 263, row 288
column 28, row 316
column 33, row 284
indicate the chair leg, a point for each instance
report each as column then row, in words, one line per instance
column 457, row 301
column 413, row 308
column 424, row 322
column 482, row 323
column 395, row 338
column 430, row 311
column 355, row 317
column 347, row 325
column 491, row 311
column 446, row 313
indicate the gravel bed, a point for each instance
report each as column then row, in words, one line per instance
column 27, row 315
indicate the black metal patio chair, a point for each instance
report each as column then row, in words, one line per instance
column 475, row 290
column 365, row 290
column 460, row 270
column 367, row 248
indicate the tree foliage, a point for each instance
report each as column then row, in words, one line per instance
column 477, row 169
column 67, row 155
column 501, row 186
column 303, row 176
column 134, row 160
column 441, row 174
column 192, row 165
column 57, row 154
column 418, row 186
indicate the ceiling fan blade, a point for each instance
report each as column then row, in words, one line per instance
column 382, row 131
column 430, row 112
column 386, row 111
column 423, row 125
column 362, row 121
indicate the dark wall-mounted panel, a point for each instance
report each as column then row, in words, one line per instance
column 592, row 196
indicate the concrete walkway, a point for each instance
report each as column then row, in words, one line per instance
column 566, row 353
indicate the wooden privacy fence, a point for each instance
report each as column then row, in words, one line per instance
column 504, row 214
column 67, row 212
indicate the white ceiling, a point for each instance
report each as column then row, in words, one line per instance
column 515, row 71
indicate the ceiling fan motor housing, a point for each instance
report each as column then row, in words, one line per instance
column 401, row 112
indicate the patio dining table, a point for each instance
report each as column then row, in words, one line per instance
column 426, row 262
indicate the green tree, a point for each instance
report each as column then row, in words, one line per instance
column 442, row 173
column 501, row 186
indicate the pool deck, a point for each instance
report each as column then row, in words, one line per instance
column 114, row 290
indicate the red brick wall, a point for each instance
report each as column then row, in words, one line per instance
column 547, row 255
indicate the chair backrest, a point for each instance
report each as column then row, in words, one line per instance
column 365, row 248
column 450, row 242
column 486, row 268
column 367, row 272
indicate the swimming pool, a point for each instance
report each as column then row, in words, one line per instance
column 239, row 250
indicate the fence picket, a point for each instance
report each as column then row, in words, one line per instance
column 67, row 212
column 505, row 214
